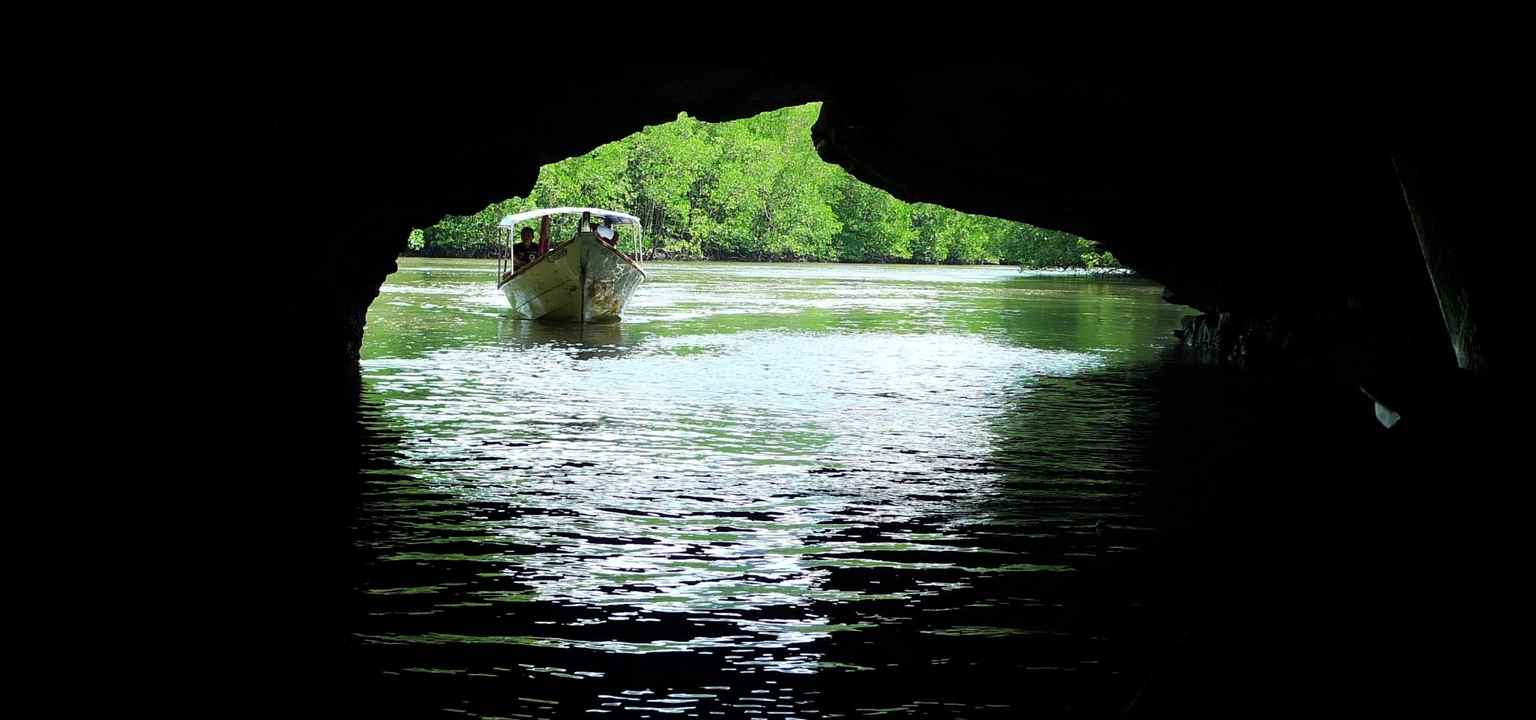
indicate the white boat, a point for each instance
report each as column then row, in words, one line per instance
column 581, row 280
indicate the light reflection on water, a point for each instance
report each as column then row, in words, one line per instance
column 781, row 489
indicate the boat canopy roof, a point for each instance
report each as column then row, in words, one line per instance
column 617, row 217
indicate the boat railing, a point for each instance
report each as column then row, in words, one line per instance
column 504, row 258
column 639, row 245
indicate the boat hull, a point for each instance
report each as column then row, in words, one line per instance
column 582, row 280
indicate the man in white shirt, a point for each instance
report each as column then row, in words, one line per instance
column 606, row 233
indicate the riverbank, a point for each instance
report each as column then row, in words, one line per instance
column 1114, row 271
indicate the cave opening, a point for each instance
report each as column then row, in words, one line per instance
column 769, row 474
column 1269, row 546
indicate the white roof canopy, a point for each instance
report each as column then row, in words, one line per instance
column 617, row 217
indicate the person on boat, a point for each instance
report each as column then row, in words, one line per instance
column 544, row 236
column 525, row 252
column 606, row 233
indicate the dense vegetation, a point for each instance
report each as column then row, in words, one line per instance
column 755, row 189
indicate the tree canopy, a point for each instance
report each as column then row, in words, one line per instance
column 755, row 189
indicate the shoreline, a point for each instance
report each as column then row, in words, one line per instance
column 1056, row 270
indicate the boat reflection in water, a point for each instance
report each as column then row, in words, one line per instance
column 578, row 341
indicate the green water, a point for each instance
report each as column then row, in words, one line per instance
column 808, row 481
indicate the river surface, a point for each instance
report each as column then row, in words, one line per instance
column 772, row 490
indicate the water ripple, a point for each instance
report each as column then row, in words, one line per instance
column 765, row 479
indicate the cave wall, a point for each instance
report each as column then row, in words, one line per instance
column 1268, row 198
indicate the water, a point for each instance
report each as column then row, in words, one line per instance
column 773, row 491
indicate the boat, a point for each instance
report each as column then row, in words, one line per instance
column 583, row 279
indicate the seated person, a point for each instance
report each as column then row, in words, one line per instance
column 607, row 234
column 525, row 252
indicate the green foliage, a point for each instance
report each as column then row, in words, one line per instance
column 755, row 189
